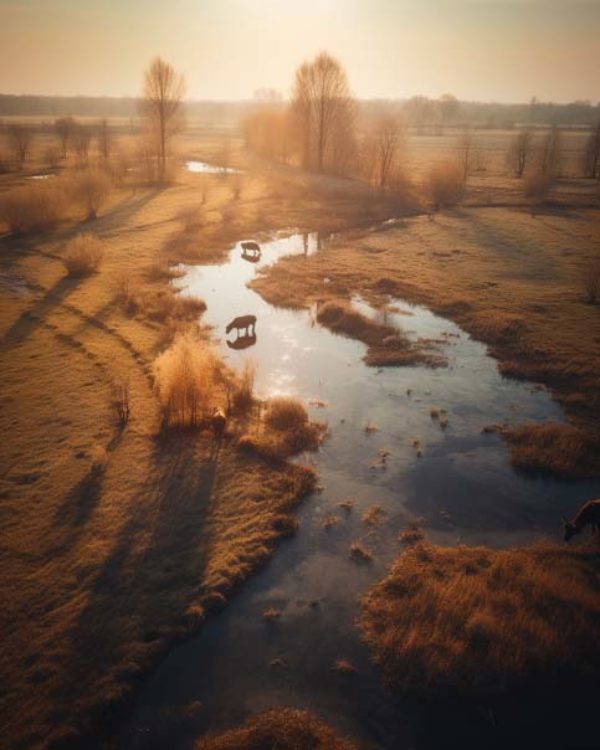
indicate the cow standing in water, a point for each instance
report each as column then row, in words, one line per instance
column 245, row 323
column 587, row 515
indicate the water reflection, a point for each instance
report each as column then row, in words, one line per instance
column 202, row 167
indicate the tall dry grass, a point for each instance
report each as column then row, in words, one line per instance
column 33, row 208
column 83, row 255
column 90, row 188
column 185, row 377
column 474, row 620
column 278, row 729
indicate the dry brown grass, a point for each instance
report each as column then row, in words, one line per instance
column 387, row 346
column 83, row 255
column 473, row 620
column 279, row 729
column 562, row 449
column 286, row 431
column 33, row 208
column 90, row 188
column 186, row 382
column 240, row 390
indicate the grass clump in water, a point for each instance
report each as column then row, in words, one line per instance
column 479, row 620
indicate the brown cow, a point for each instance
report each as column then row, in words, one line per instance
column 587, row 515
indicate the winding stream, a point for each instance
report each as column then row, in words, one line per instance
column 461, row 486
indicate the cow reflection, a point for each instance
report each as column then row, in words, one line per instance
column 245, row 333
column 251, row 251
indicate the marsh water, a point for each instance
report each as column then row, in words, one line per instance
column 456, row 480
column 202, row 167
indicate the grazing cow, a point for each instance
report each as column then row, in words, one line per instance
column 587, row 515
column 243, row 323
column 251, row 251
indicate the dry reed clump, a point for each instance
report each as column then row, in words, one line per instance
column 477, row 620
column 286, row 431
column 185, row 377
column 90, row 188
column 561, row 449
column 34, row 208
column 83, row 255
column 445, row 186
column 240, row 389
column 280, row 729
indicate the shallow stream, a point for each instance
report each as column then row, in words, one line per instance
column 458, row 481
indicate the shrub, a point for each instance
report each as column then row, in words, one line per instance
column 283, row 728
column 185, row 381
column 446, row 186
column 91, row 188
column 33, row 208
column 83, row 255
column 285, row 413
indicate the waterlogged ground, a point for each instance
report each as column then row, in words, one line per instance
column 202, row 167
column 457, row 480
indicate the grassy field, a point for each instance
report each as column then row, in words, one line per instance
column 116, row 541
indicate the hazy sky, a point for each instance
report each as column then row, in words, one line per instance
column 505, row 50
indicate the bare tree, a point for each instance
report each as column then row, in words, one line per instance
column 592, row 154
column 20, row 137
column 104, row 140
column 64, row 127
column 520, row 151
column 321, row 100
column 161, row 106
column 384, row 142
column 81, row 138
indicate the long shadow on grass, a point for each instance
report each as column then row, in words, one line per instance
column 29, row 321
column 148, row 579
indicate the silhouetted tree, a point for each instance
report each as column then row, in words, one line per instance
column 448, row 108
column 81, row 139
column 161, row 106
column 550, row 153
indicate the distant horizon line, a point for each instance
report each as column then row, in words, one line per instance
column 250, row 100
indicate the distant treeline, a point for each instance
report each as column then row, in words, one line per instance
column 420, row 111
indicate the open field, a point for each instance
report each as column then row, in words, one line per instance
column 116, row 541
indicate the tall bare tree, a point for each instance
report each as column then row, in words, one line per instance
column 466, row 149
column 161, row 106
column 448, row 107
column 20, row 137
column 592, row 153
column 81, row 139
column 321, row 98
column 520, row 151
